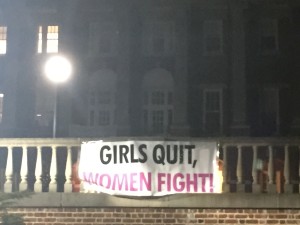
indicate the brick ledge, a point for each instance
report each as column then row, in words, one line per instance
column 255, row 201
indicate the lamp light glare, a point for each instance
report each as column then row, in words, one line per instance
column 58, row 69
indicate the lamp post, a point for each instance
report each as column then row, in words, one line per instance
column 58, row 69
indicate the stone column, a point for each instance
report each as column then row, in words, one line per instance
column 256, row 187
column 225, row 185
column 24, row 170
column 288, row 186
column 8, row 185
column 271, row 187
column 240, row 187
column 38, row 187
column 68, row 172
column 180, row 124
column 238, row 74
column 53, row 171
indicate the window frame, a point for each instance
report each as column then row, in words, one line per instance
column 101, row 98
column 1, row 106
column 218, row 33
column 100, row 107
column 46, row 38
column 265, row 33
column 164, row 30
column 96, row 29
column 3, row 40
column 220, row 111
column 267, row 105
column 154, row 105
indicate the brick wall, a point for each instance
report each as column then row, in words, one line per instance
column 149, row 216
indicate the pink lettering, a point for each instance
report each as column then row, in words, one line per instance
column 90, row 178
column 145, row 181
column 180, row 182
column 122, row 183
column 166, row 182
column 169, row 182
column 178, row 185
column 160, row 181
column 133, row 182
column 119, row 182
column 105, row 180
column 190, row 182
column 203, row 176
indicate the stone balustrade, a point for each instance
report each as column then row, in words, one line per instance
column 260, row 165
column 253, row 165
column 40, row 165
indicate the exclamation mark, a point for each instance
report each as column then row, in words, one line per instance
column 211, row 180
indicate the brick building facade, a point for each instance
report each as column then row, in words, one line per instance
column 145, row 68
column 158, row 68
column 126, row 216
column 92, row 209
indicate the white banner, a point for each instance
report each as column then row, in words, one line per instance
column 149, row 168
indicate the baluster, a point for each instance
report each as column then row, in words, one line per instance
column 53, row 171
column 288, row 187
column 24, row 169
column 2, row 179
column 68, row 184
column 239, row 170
column 9, row 170
column 255, row 186
column 254, row 165
column 38, row 171
column 286, row 165
column 299, row 168
column 225, row 186
column 271, row 185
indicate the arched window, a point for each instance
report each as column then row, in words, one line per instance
column 157, row 102
column 101, row 99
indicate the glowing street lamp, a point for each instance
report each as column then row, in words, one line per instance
column 58, row 69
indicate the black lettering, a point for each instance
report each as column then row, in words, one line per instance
column 132, row 158
column 105, row 158
column 143, row 159
column 124, row 150
column 115, row 149
column 174, row 160
column 159, row 158
column 181, row 155
column 190, row 152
